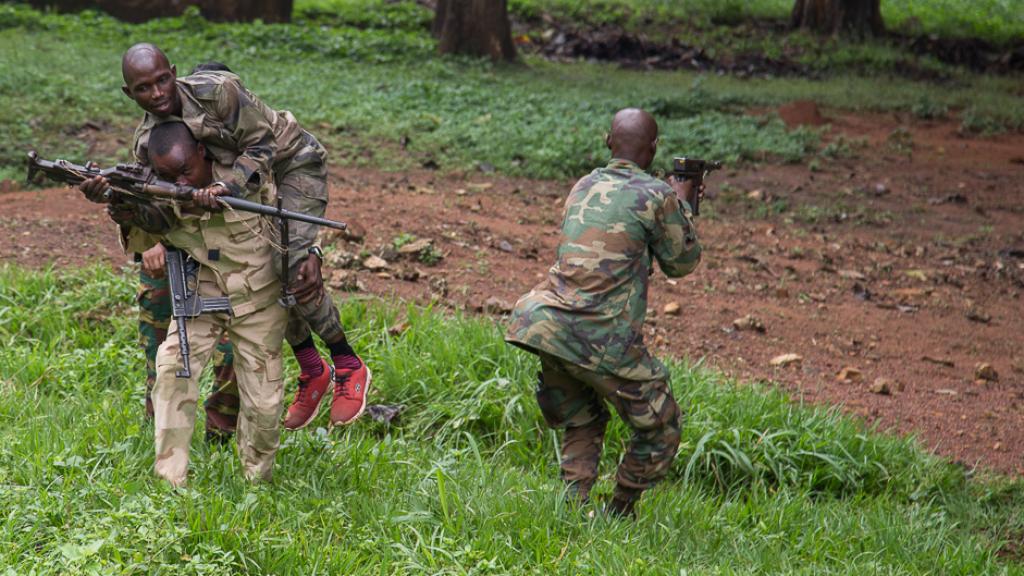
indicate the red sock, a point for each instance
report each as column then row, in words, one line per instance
column 309, row 358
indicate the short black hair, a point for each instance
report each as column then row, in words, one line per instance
column 164, row 137
column 211, row 66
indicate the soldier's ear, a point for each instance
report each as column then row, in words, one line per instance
column 127, row 92
column 174, row 70
column 200, row 149
column 608, row 140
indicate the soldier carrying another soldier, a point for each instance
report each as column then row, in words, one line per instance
column 235, row 260
column 585, row 321
column 261, row 146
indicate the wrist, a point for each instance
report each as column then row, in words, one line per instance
column 315, row 250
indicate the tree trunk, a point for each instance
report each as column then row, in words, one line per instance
column 857, row 18
column 143, row 10
column 474, row 27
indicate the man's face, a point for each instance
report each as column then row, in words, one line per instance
column 184, row 165
column 150, row 82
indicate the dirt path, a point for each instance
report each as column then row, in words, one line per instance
column 905, row 262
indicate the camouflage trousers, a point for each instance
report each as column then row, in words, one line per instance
column 256, row 338
column 154, row 299
column 574, row 398
column 302, row 186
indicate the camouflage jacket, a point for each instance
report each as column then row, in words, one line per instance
column 238, row 130
column 233, row 248
column 590, row 310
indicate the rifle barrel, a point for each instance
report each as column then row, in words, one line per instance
column 258, row 208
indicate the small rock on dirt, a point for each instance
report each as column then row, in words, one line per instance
column 941, row 361
column 784, row 360
column 375, row 263
column 416, row 246
column 985, row 371
column 850, row 374
column 979, row 316
column 671, row 309
column 882, row 386
column 338, row 259
column 495, row 305
column 345, row 280
column 748, row 322
column 757, row 195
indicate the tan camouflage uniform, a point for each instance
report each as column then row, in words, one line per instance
column 586, row 323
column 236, row 260
column 260, row 144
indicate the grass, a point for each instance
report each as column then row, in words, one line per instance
column 465, row 484
column 365, row 87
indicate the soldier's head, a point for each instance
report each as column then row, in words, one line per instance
column 149, row 80
column 633, row 136
column 178, row 157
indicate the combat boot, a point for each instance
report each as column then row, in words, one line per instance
column 350, row 389
column 311, row 392
column 623, row 502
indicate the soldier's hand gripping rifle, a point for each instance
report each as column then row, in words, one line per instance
column 696, row 170
column 182, row 277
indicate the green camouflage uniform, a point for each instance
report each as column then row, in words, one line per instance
column 586, row 323
column 260, row 144
column 154, row 299
column 236, row 261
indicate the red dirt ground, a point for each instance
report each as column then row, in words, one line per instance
column 904, row 261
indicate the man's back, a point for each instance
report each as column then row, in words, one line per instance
column 590, row 309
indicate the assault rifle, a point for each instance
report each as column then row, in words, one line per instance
column 141, row 182
column 182, row 278
column 694, row 169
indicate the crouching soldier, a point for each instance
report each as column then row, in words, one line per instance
column 585, row 321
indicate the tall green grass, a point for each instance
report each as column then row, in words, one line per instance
column 465, row 483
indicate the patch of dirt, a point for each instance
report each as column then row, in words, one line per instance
column 904, row 263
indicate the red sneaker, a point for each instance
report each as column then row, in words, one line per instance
column 308, row 397
column 350, row 388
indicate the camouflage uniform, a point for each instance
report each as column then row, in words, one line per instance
column 154, row 299
column 260, row 144
column 586, row 323
column 235, row 258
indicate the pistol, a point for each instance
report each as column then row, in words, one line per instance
column 694, row 169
